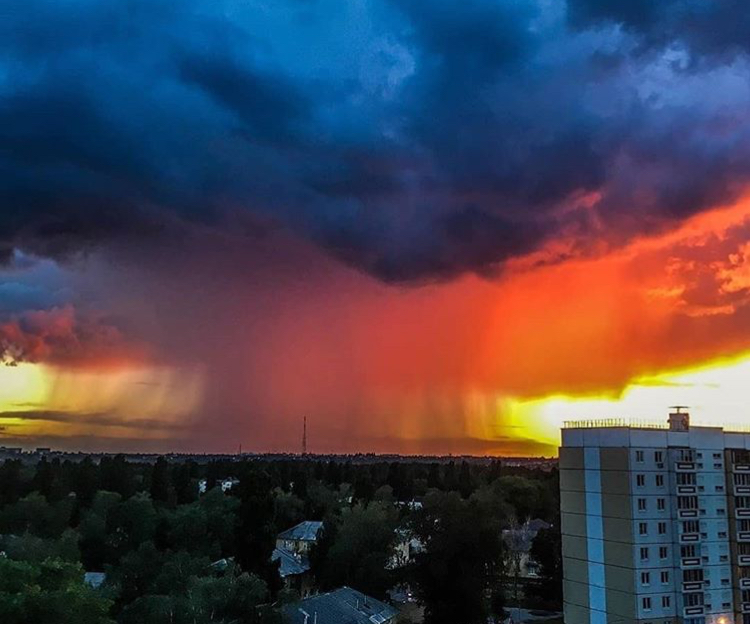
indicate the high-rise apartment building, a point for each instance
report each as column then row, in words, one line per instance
column 655, row 523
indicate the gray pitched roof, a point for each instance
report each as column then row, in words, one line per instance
column 341, row 606
column 290, row 564
column 305, row 531
column 94, row 579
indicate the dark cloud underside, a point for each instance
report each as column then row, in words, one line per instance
column 413, row 140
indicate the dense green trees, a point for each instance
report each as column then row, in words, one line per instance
column 546, row 550
column 356, row 549
column 146, row 526
column 457, row 574
column 48, row 592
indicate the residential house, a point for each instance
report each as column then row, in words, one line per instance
column 300, row 538
column 294, row 570
column 341, row 606
column 519, row 541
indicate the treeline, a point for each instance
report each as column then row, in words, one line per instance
column 172, row 554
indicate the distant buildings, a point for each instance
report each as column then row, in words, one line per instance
column 406, row 547
column 518, row 542
column 655, row 523
column 225, row 484
column 341, row 606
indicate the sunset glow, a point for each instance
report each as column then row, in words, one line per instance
column 427, row 231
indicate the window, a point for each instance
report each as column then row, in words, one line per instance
column 694, row 575
column 645, row 578
column 687, row 455
column 658, row 457
column 686, row 478
column 717, row 466
column 643, row 528
column 661, row 504
column 663, row 552
column 687, row 550
column 694, row 600
column 659, row 480
column 719, row 488
column 690, row 526
column 639, row 456
column 665, row 602
column 641, row 504
column 717, row 455
column 687, row 502
column 640, row 480
column 646, row 603
column 662, row 528
column 644, row 553
column 665, row 576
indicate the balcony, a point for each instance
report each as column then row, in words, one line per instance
column 743, row 536
column 746, row 607
column 687, row 489
column 691, row 513
column 690, row 537
column 692, row 586
column 745, row 583
column 741, row 467
column 683, row 466
column 743, row 560
column 690, row 562
column 693, row 611
column 742, row 513
column 741, row 489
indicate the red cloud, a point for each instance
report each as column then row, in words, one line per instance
column 63, row 336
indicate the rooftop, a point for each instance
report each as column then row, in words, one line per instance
column 341, row 606
column 636, row 423
column 291, row 564
column 306, row 531
column 94, row 579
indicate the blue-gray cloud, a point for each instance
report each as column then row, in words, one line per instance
column 413, row 140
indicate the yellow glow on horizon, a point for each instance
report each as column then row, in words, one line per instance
column 21, row 386
column 717, row 393
column 140, row 401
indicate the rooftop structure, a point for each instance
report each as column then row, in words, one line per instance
column 289, row 563
column 306, row 531
column 341, row 606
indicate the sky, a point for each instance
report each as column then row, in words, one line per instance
column 428, row 227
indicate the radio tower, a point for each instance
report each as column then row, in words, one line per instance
column 304, row 436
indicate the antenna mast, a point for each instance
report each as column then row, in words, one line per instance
column 304, row 436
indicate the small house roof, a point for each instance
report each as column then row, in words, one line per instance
column 341, row 606
column 291, row 564
column 306, row 531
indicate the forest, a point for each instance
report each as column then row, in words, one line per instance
column 170, row 544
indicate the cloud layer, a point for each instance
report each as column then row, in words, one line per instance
column 415, row 141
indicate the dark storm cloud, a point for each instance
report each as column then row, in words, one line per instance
column 413, row 140
column 719, row 27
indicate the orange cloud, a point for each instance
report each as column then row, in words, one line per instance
column 62, row 336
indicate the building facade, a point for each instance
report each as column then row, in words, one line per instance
column 655, row 523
